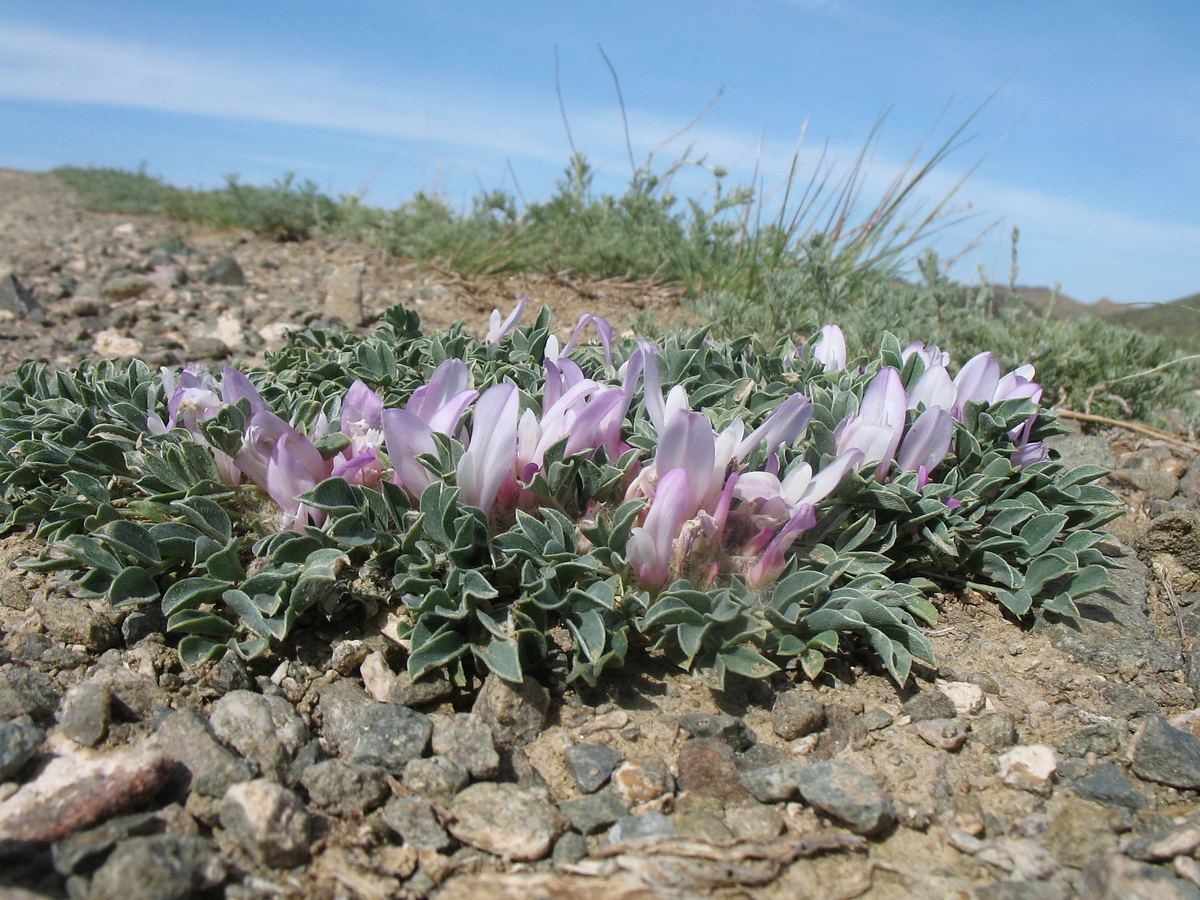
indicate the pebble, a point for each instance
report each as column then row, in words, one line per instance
column 134, row 695
column 569, row 849
column 876, row 719
column 1182, row 840
column 343, row 294
column 468, row 740
column 796, row 714
column 775, row 784
column 641, row 780
column 1081, row 832
column 708, row 767
column 26, row 692
column 224, row 270
column 19, row 741
column 591, row 765
column 85, row 713
column 756, row 822
column 844, row 730
column 593, row 813
column 126, row 287
column 967, row 698
column 1116, row 877
column 1030, row 767
column 994, row 732
column 158, row 867
column 435, row 776
column 76, row 790
column 645, row 828
column 514, row 712
column 268, row 821
column 721, row 727
column 341, row 788
column 848, row 795
column 505, row 819
column 414, row 820
column 929, row 704
column 944, row 734
column 72, row 621
column 382, row 734
column 1108, row 785
column 185, row 736
column 701, row 825
column 15, row 297
column 264, row 729
column 1166, row 755
column 1101, row 738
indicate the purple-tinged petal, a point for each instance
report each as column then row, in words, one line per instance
column 362, row 409
column 773, row 559
column 264, row 432
column 830, row 349
column 235, row 386
column 408, row 437
column 588, row 431
column 650, row 544
column 603, row 330
column 977, row 379
column 491, row 456
column 688, row 442
column 446, row 419
column 806, row 488
column 651, row 385
column 933, row 388
column 927, row 441
column 449, row 380
column 785, row 424
column 498, row 329
column 293, row 468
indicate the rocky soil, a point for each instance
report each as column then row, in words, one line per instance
column 1051, row 759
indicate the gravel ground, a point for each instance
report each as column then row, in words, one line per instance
column 1057, row 760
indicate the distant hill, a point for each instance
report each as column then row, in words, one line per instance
column 1178, row 321
column 1065, row 307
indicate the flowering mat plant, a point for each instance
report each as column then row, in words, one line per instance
column 736, row 507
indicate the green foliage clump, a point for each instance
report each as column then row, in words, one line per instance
column 146, row 519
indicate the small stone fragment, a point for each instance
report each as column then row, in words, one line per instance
column 755, row 822
column 435, row 776
column 848, row 795
column 967, row 698
column 269, row 821
column 184, row 735
column 1081, row 832
column 343, row 294
column 721, row 727
column 1030, row 767
column 708, row 767
column 126, row 287
column 591, row 765
column 844, row 730
column 994, row 732
column 466, row 738
column 224, row 271
column 1181, row 840
column 19, row 741
column 26, row 692
column 1166, row 755
column 385, row 735
column 929, row 704
column 515, row 713
column 15, row 297
column 158, row 867
column 264, row 730
column 74, row 622
column 1116, row 877
column 112, row 343
column 945, row 734
column 594, row 813
column 569, row 849
column 876, row 719
column 1101, row 738
column 414, row 820
column 342, row 788
column 796, row 714
column 775, row 784
column 1108, row 785
column 646, row 828
column 641, row 780
column 506, row 820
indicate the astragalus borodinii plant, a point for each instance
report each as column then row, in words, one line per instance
column 736, row 507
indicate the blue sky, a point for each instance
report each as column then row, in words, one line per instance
column 1089, row 143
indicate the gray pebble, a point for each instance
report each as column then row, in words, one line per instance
column 85, row 713
column 431, row 688
column 1166, row 755
column 414, row 820
column 569, row 849
column 876, row 719
column 268, row 821
column 995, row 732
column 719, row 726
column 1108, row 785
column 514, row 712
column 775, row 784
column 184, row 735
column 1101, row 738
column 755, row 822
column 435, row 776
column 796, row 714
column 26, row 692
column 264, row 729
column 593, row 813
column 929, row 704
column 158, row 867
column 19, row 741
column 385, row 735
column 342, row 788
column 646, row 828
column 847, row 794
column 224, row 271
column 591, row 765
column 468, row 740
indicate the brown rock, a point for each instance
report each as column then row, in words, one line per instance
column 708, row 767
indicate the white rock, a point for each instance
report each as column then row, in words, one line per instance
column 377, row 676
column 269, row 821
column 275, row 334
column 1029, row 767
column 228, row 330
column 968, row 698
column 111, row 342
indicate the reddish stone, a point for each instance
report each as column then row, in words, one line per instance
column 708, row 768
